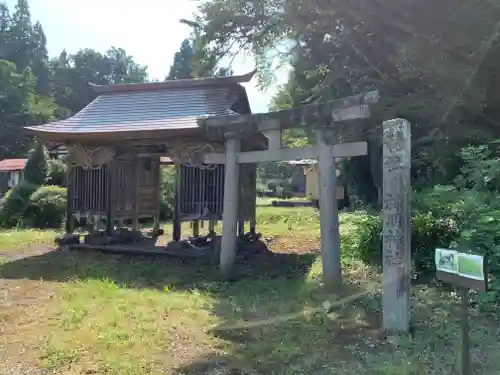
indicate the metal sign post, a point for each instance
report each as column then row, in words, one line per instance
column 466, row 271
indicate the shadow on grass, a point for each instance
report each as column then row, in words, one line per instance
column 271, row 319
column 284, row 332
column 266, row 339
column 136, row 271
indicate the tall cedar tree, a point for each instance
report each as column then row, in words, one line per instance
column 36, row 171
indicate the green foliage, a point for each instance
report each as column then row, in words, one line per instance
column 16, row 208
column 473, row 205
column 194, row 60
column 182, row 66
column 21, row 106
column 427, row 233
column 167, row 191
column 71, row 74
column 336, row 48
column 15, row 204
column 37, row 168
column 57, row 172
column 48, row 206
column 37, row 90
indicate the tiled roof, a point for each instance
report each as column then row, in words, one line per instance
column 164, row 106
column 8, row 165
column 174, row 84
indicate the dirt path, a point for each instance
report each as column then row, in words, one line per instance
column 22, row 303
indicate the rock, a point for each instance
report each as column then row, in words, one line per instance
column 67, row 239
column 176, row 246
column 97, row 238
column 269, row 240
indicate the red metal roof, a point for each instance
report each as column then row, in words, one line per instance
column 8, row 165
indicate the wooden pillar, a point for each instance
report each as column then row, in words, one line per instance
column 70, row 220
column 211, row 228
column 252, row 227
column 110, row 179
column 135, row 216
column 253, row 216
column 230, row 205
column 156, row 219
column 329, row 219
column 176, row 232
column 396, row 218
column 196, row 228
column 241, row 227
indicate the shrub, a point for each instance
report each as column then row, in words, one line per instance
column 272, row 186
column 37, row 168
column 473, row 204
column 15, row 203
column 166, row 210
column 57, row 172
column 477, row 213
column 168, row 183
column 48, row 206
column 428, row 233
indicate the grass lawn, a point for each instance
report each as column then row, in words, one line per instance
column 15, row 240
column 91, row 313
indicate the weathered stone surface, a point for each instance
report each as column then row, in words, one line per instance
column 396, row 216
column 67, row 239
column 97, row 238
column 331, row 112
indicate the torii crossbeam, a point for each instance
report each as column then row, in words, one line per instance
column 330, row 119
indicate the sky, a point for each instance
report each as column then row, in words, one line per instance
column 149, row 30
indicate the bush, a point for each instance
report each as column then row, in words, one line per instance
column 15, row 204
column 57, row 173
column 473, row 204
column 168, row 181
column 428, row 233
column 37, row 168
column 272, row 186
column 166, row 210
column 48, row 207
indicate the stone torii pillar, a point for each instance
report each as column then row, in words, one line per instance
column 230, row 207
column 334, row 114
column 328, row 213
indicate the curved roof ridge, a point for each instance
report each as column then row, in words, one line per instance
column 173, row 84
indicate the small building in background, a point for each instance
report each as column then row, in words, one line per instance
column 310, row 168
column 11, row 173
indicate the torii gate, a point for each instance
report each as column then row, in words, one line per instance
column 331, row 122
column 329, row 116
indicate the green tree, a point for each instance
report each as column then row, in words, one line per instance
column 123, row 67
column 71, row 74
column 40, row 60
column 194, row 60
column 182, row 67
column 20, row 105
column 424, row 70
column 5, row 21
column 36, row 170
column 20, row 36
column 25, row 44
